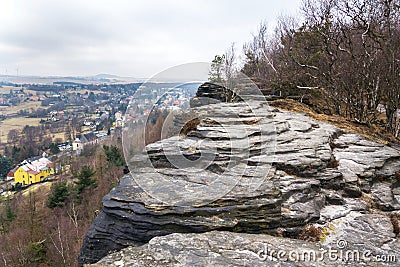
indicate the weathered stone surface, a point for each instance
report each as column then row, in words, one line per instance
column 209, row 249
column 299, row 171
column 353, row 239
column 365, row 233
column 359, row 158
column 383, row 196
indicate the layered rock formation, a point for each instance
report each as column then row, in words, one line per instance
column 277, row 180
column 210, row 93
column 375, row 247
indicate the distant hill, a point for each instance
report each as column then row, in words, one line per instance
column 106, row 76
column 99, row 78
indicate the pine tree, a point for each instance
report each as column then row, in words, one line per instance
column 5, row 166
column 58, row 195
column 85, row 178
column 114, row 155
column 217, row 67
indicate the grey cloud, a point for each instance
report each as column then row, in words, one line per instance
column 136, row 38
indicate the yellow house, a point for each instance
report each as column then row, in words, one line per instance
column 30, row 172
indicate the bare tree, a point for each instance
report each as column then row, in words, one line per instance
column 348, row 49
column 58, row 243
column 260, row 55
column 13, row 136
column 230, row 71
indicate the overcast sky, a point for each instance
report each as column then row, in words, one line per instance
column 136, row 38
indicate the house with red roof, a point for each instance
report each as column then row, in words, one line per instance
column 32, row 171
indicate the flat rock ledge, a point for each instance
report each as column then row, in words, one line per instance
column 317, row 175
column 377, row 247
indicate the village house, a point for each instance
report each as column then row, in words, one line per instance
column 77, row 145
column 64, row 146
column 90, row 138
column 32, row 170
column 119, row 119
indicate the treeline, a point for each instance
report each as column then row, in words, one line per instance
column 34, row 140
column 347, row 52
column 46, row 228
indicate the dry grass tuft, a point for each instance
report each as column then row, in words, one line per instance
column 373, row 133
column 189, row 126
column 312, row 233
column 394, row 219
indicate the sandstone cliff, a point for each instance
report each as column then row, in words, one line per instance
column 316, row 174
